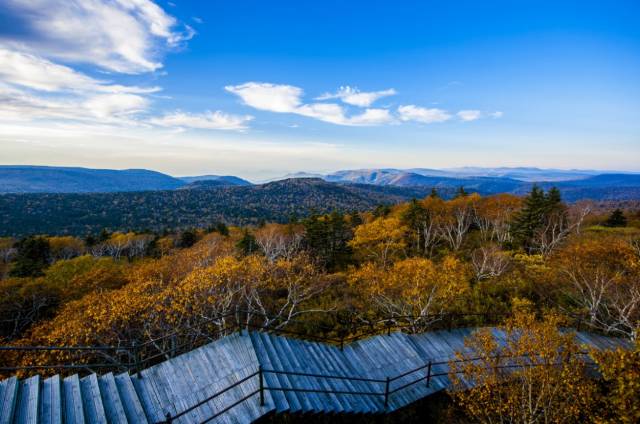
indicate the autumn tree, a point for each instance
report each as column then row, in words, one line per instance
column 489, row 261
column 532, row 373
column 412, row 290
column 457, row 219
column 381, row 240
column 65, row 247
column 620, row 370
column 494, row 215
column 23, row 302
column 601, row 277
column 279, row 241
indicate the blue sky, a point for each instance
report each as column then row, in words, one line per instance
column 259, row 89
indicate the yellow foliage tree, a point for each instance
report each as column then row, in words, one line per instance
column 534, row 374
column 602, row 276
column 380, row 240
column 414, row 289
column 65, row 247
column 620, row 371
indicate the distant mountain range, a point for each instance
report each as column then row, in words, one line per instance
column 204, row 202
column 575, row 184
column 51, row 179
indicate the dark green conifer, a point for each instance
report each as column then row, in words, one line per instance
column 247, row 245
column 616, row 219
column 32, row 257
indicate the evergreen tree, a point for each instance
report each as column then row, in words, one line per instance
column 413, row 218
column 32, row 257
column 247, row 245
column 434, row 193
column 222, row 229
column 327, row 238
column 187, row 238
column 461, row 192
column 616, row 219
column 294, row 218
column 538, row 211
column 104, row 235
column 90, row 240
column 355, row 219
column 531, row 217
column 381, row 211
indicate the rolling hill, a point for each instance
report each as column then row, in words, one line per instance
column 220, row 179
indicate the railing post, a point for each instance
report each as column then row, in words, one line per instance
column 388, row 324
column 168, row 419
column 429, row 374
column 579, row 322
column 136, row 358
column 386, row 392
column 341, row 343
column 261, row 377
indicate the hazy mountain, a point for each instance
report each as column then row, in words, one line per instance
column 222, row 179
column 395, row 177
column 301, row 175
column 383, row 176
column 523, row 173
column 49, row 179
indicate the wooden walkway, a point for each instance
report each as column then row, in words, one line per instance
column 311, row 368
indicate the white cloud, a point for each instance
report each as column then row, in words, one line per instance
column 469, row 115
column 34, row 72
column 497, row 114
column 283, row 98
column 355, row 97
column 421, row 114
column 126, row 36
column 265, row 96
column 209, row 120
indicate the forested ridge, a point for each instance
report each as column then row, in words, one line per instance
column 83, row 213
column 533, row 259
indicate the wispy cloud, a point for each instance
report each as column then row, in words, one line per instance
column 355, row 97
column 421, row 114
column 126, row 36
column 209, row 120
column 34, row 72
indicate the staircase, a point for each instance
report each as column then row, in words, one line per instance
column 371, row 376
